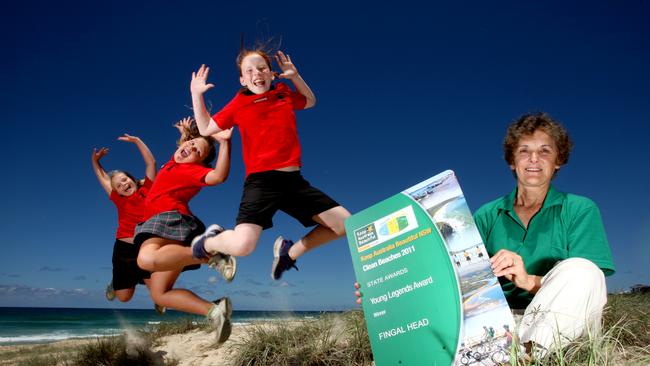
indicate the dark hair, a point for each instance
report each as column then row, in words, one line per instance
column 526, row 125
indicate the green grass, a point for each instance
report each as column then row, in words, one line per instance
column 134, row 348
column 37, row 355
column 625, row 339
column 333, row 339
column 342, row 339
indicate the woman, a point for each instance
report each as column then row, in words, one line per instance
column 549, row 248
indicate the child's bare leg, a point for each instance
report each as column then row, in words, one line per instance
column 163, row 293
column 331, row 226
column 159, row 254
column 125, row 295
column 238, row 242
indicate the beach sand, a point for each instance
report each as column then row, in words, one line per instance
column 194, row 348
column 14, row 355
column 199, row 348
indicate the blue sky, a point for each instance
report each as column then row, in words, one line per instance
column 405, row 90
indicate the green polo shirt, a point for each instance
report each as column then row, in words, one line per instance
column 566, row 226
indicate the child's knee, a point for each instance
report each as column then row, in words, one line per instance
column 245, row 248
column 146, row 261
column 338, row 227
column 156, row 297
column 243, row 242
column 124, row 296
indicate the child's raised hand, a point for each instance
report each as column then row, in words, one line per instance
column 129, row 138
column 184, row 125
column 98, row 154
column 199, row 81
column 224, row 135
column 289, row 70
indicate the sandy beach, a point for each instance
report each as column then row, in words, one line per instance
column 15, row 354
column 194, row 348
column 199, row 348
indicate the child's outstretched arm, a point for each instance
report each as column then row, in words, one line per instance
column 147, row 156
column 222, row 167
column 102, row 176
column 289, row 71
column 198, row 87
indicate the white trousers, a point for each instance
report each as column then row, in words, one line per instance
column 568, row 304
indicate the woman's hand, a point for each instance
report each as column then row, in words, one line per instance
column 512, row 266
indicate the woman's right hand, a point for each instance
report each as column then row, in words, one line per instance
column 511, row 266
column 199, row 84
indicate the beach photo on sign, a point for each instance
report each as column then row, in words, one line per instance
column 486, row 315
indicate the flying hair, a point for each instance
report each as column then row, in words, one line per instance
column 262, row 48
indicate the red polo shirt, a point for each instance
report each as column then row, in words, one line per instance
column 174, row 187
column 267, row 124
column 130, row 209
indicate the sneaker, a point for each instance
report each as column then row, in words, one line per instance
column 160, row 310
column 281, row 260
column 219, row 316
column 110, row 292
column 198, row 243
column 225, row 264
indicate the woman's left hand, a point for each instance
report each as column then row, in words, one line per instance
column 511, row 265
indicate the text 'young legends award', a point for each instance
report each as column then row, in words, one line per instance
column 429, row 294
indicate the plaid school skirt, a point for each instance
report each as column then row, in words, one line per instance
column 169, row 225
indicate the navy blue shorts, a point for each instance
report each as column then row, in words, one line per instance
column 126, row 273
column 267, row 192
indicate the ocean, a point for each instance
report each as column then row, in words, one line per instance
column 44, row 325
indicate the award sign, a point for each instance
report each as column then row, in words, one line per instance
column 424, row 306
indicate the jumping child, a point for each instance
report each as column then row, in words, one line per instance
column 170, row 226
column 128, row 195
column 265, row 116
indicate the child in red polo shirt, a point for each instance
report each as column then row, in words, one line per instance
column 266, row 119
column 170, row 226
column 128, row 195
